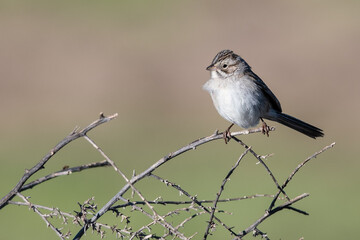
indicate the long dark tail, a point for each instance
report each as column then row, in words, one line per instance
column 297, row 125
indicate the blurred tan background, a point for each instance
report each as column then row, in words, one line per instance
column 64, row 62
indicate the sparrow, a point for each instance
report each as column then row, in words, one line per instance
column 242, row 98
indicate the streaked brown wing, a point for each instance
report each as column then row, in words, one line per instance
column 267, row 92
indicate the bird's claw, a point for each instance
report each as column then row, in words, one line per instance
column 227, row 134
column 265, row 128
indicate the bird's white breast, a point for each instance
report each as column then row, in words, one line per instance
column 236, row 100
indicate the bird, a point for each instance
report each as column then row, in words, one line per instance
column 242, row 98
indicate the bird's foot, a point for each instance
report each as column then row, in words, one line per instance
column 265, row 128
column 227, row 134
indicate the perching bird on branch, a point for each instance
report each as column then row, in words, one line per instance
column 242, row 98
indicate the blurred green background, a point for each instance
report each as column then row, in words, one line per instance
column 64, row 62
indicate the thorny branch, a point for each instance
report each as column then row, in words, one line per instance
column 221, row 190
column 113, row 208
column 132, row 181
column 297, row 169
column 156, row 217
column 57, row 231
column 258, row 157
column 288, row 204
column 65, row 171
column 272, row 212
column 193, row 204
column 194, row 199
column 71, row 137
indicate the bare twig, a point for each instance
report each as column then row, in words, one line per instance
column 64, row 172
column 297, row 169
column 186, row 209
column 185, row 221
column 194, row 199
column 259, row 158
column 272, row 212
column 165, row 224
column 297, row 210
column 189, row 202
column 64, row 215
column 189, row 218
column 27, row 203
column 138, row 232
column 57, row 231
column 156, row 216
column 226, row 179
column 73, row 135
column 257, row 232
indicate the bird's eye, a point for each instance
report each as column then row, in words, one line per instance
column 224, row 66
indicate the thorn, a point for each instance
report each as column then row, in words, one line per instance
column 65, row 167
column 265, row 157
column 75, row 130
column 102, row 115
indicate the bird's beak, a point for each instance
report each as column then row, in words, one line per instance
column 211, row 68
